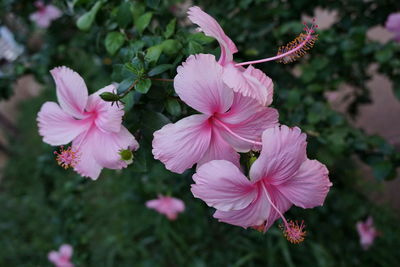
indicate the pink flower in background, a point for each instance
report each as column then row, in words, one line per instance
column 280, row 177
column 229, row 121
column 248, row 81
column 93, row 125
column 393, row 25
column 367, row 232
column 45, row 14
column 61, row 258
column 168, row 206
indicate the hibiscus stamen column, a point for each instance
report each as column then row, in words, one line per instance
column 293, row 50
column 236, row 135
column 292, row 231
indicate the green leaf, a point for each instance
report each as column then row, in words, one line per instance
column 170, row 29
column 143, row 86
column 125, row 84
column 382, row 170
column 171, row 47
column 153, row 3
column 200, row 38
column 143, row 21
column 194, row 48
column 124, row 15
column 140, row 159
column 114, row 41
column 153, row 53
column 129, row 101
column 159, row 69
column 86, row 20
column 173, row 107
column 151, row 122
column 384, row 55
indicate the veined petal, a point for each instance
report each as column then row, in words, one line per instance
column 219, row 149
column 221, row 185
column 309, row 187
column 283, row 152
column 87, row 165
column 247, row 119
column 182, row 144
column 109, row 116
column 249, row 82
column 254, row 214
column 211, row 28
column 57, row 127
column 107, row 154
column 199, row 84
column 72, row 92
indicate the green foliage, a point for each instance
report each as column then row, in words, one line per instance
column 139, row 45
column 114, row 41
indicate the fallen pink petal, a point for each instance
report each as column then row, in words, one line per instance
column 168, row 206
column 62, row 257
column 367, row 232
column 45, row 14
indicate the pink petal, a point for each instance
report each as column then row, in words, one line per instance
column 109, row 116
column 87, row 165
column 221, row 185
column 393, row 22
column 98, row 149
column 254, row 214
column 249, row 82
column 53, row 257
column 168, row 206
column 58, row 127
column 182, row 144
column 283, row 152
column 211, row 28
column 53, row 12
column 199, row 85
column 177, row 204
column 66, row 251
column 72, row 92
column 309, row 187
column 246, row 119
column 219, row 149
column 107, row 154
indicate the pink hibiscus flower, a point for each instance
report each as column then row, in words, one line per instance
column 61, row 258
column 169, row 206
column 367, row 233
column 93, row 126
column 45, row 14
column 280, row 177
column 229, row 121
column 249, row 81
column 393, row 25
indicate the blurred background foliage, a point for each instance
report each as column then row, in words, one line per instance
column 43, row 206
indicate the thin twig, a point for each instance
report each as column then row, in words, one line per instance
column 162, row 80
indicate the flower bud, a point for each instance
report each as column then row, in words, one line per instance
column 126, row 155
